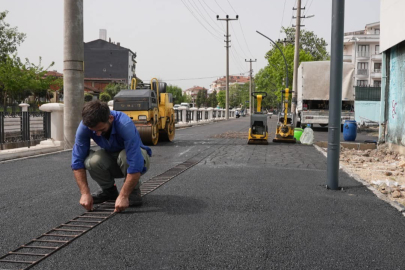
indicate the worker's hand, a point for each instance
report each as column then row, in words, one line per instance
column 121, row 203
column 87, row 201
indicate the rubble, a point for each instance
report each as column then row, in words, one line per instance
column 381, row 167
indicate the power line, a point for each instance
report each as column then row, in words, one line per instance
column 232, row 7
column 200, row 13
column 282, row 19
column 306, row 10
column 209, row 16
column 220, row 6
column 238, row 41
column 292, row 15
column 218, row 38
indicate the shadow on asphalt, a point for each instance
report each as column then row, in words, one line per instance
column 170, row 204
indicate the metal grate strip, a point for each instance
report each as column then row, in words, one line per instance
column 106, row 209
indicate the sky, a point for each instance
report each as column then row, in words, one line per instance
column 179, row 41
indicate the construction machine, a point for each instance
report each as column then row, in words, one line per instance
column 258, row 131
column 150, row 108
column 285, row 130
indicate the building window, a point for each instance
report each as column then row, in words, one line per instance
column 362, row 83
column 377, row 83
column 362, row 68
column 363, row 50
column 377, row 31
column 377, row 49
column 377, row 67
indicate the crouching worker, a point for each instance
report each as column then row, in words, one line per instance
column 122, row 154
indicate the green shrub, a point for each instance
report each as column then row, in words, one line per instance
column 88, row 97
column 105, row 97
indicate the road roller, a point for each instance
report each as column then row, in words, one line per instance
column 150, row 108
column 285, row 130
column 258, row 132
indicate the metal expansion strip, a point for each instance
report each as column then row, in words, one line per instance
column 106, row 209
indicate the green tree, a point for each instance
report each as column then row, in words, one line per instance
column 88, row 97
column 310, row 43
column 271, row 79
column 176, row 92
column 113, row 88
column 10, row 38
column 201, row 100
column 105, row 97
column 13, row 78
column 212, row 99
column 221, row 96
column 238, row 94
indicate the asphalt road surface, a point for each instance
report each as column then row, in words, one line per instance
column 242, row 207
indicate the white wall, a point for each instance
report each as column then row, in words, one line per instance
column 392, row 23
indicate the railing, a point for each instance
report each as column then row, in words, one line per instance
column 179, row 116
column 199, row 116
column 193, row 116
column 189, row 116
column 23, row 128
column 362, row 72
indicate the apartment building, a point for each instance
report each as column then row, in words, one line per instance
column 193, row 92
column 220, row 84
column 363, row 49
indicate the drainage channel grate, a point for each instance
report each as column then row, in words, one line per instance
column 28, row 255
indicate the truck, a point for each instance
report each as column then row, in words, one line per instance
column 313, row 93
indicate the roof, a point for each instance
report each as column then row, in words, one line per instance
column 233, row 79
column 372, row 24
column 102, row 44
column 54, row 73
column 195, row 88
column 104, row 79
column 91, row 88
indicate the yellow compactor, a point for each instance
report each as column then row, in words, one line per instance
column 285, row 130
column 150, row 108
column 258, row 131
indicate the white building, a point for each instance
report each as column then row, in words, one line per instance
column 363, row 49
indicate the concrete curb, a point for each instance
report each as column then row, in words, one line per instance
column 356, row 177
column 25, row 152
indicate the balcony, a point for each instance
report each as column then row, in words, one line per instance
column 362, row 72
column 347, row 58
column 377, row 57
column 363, row 54
column 376, row 74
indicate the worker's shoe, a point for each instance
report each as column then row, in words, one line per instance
column 135, row 198
column 109, row 194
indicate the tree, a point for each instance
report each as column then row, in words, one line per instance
column 88, row 97
column 10, row 38
column 310, row 43
column 271, row 78
column 177, row 93
column 201, row 100
column 113, row 88
column 238, row 94
column 13, row 78
column 105, row 97
column 212, row 99
column 221, row 97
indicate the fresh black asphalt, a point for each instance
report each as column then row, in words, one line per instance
column 242, row 207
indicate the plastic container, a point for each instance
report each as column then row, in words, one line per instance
column 298, row 133
column 350, row 130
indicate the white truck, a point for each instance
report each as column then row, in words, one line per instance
column 313, row 93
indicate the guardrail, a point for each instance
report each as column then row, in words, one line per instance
column 193, row 116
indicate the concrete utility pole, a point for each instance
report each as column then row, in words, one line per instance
column 227, row 62
column 296, row 59
column 250, row 85
column 73, row 77
column 335, row 93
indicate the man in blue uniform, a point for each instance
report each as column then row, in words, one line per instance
column 122, row 154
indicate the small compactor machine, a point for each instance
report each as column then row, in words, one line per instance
column 258, row 132
column 285, row 130
column 150, row 108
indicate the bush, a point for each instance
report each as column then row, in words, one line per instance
column 105, row 97
column 88, row 97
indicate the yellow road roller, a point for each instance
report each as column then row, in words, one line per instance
column 150, row 108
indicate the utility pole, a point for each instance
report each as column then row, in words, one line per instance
column 250, row 85
column 73, row 78
column 296, row 60
column 227, row 62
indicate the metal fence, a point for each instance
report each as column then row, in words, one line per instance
column 368, row 93
column 21, row 129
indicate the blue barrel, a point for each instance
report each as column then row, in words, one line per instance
column 350, row 130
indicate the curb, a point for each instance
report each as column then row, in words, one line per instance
column 396, row 205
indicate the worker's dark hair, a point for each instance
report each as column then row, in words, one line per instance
column 95, row 112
